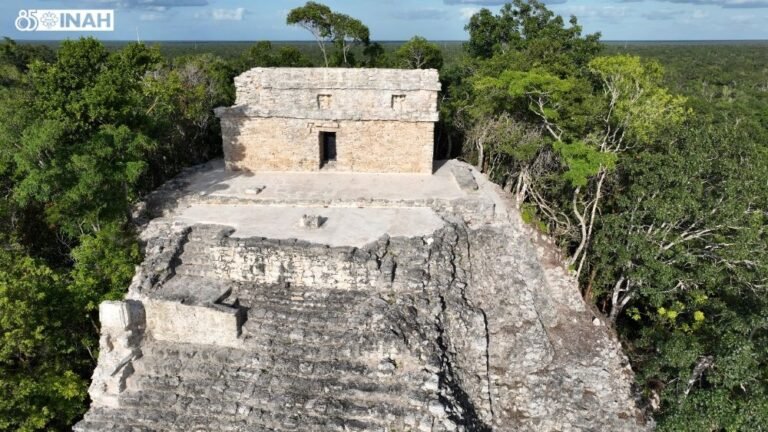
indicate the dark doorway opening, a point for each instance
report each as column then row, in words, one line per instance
column 327, row 147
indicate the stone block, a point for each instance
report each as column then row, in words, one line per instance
column 312, row 221
column 210, row 325
column 120, row 315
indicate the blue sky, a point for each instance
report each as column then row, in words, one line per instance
column 401, row 19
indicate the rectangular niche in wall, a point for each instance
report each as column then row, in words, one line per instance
column 398, row 102
column 324, row 101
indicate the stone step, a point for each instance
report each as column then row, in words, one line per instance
column 311, row 352
column 299, row 295
column 274, row 372
column 163, row 375
column 350, row 402
column 326, row 374
column 299, row 311
column 271, row 406
column 274, row 345
column 195, row 270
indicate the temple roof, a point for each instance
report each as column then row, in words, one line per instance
column 341, row 78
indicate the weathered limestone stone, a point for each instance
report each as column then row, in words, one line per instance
column 311, row 221
column 254, row 191
column 476, row 326
column 383, row 119
column 212, row 325
column 122, row 325
column 464, row 177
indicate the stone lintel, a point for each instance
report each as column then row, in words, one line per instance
column 249, row 111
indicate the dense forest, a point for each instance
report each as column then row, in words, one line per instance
column 647, row 163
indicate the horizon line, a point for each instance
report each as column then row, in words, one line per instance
column 379, row 41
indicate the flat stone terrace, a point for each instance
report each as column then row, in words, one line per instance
column 355, row 208
column 328, row 186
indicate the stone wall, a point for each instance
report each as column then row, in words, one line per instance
column 383, row 119
column 281, row 144
column 272, row 262
column 344, row 93
column 324, row 104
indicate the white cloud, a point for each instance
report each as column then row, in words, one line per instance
column 467, row 12
column 698, row 14
column 742, row 19
column 228, row 14
column 493, row 2
column 152, row 16
column 420, row 14
column 156, row 5
column 608, row 13
column 727, row 4
column 662, row 14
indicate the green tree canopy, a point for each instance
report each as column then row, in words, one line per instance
column 327, row 26
column 529, row 28
column 348, row 32
column 419, row 53
column 41, row 366
column 316, row 18
column 82, row 137
column 681, row 253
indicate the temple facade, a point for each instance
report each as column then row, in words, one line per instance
column 313, row 119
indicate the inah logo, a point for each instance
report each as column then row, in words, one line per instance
column 65, row 20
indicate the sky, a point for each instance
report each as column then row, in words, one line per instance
column 400, row 19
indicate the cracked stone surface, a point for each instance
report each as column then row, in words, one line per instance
column 474, row 326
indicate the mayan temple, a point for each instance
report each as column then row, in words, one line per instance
column 328, row 275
